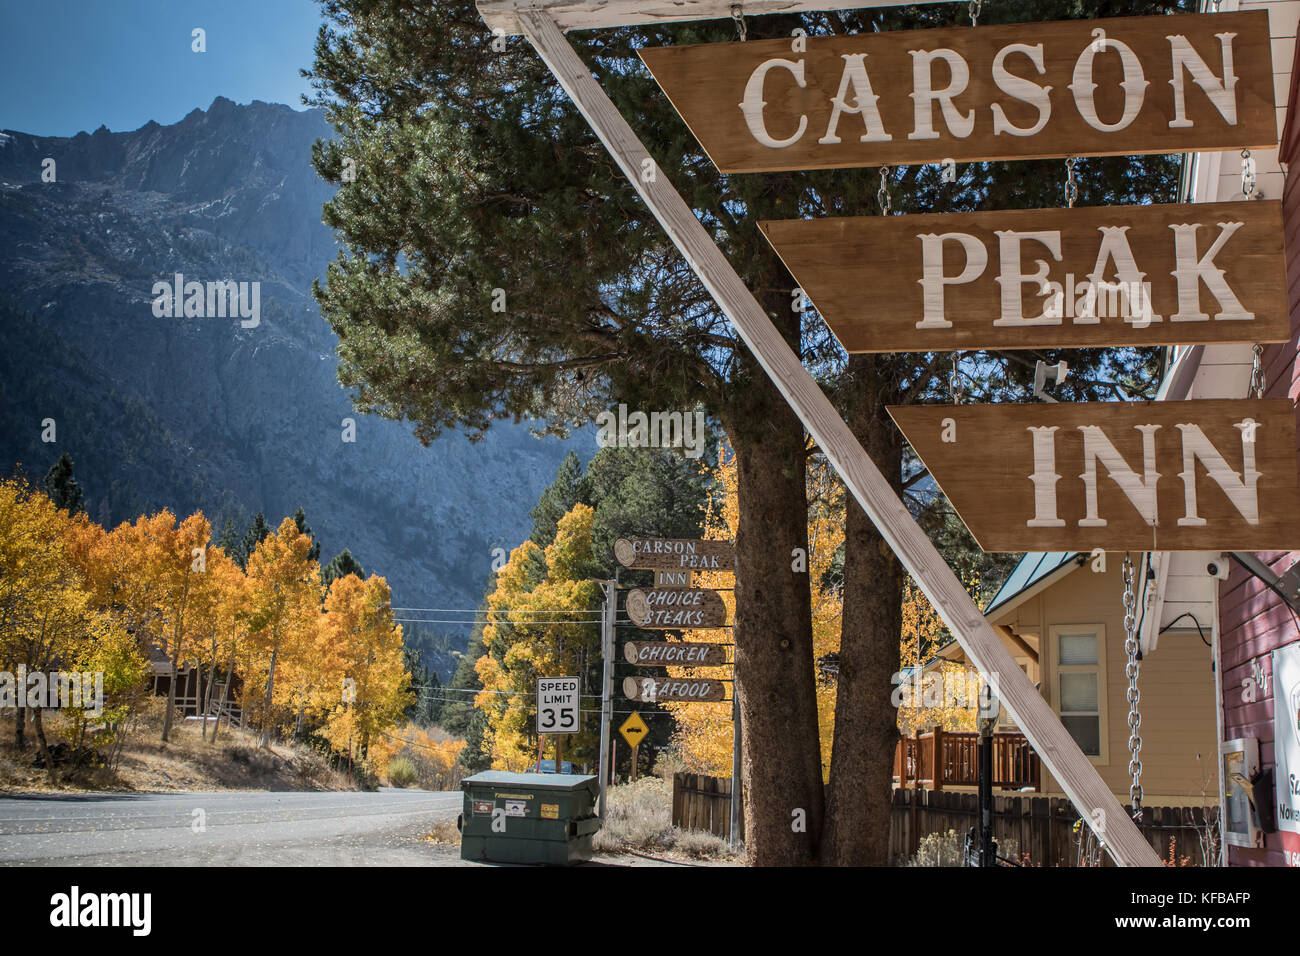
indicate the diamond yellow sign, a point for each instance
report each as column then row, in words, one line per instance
column 634, row 730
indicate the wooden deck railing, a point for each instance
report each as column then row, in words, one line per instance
column 940, row 758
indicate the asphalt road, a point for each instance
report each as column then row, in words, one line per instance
column 250, row 828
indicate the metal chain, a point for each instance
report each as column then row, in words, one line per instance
column 1134, row 695
column 1071, row 185
column 975, row 7
column 1257, row 372
column 1247, row 174
column 882, row 194
column 738, row 14
column 955, row 384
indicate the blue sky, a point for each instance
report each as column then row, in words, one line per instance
column 72, row 65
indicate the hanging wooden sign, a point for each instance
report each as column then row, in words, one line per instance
column 670, row 608
column 1045, row 278
column 1011, row 91
column 666, row 653
column 1159, row 476
column 675, row 554
column 668, row 688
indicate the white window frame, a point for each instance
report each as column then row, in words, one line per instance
column 1056, row 630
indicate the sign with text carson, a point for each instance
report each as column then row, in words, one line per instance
column 1160, row 476
column 1045, row 278
column 675, row 554
column 1162, row 84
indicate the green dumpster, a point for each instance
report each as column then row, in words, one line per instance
column 528, row 817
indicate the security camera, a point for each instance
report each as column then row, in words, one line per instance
column 1217, row 569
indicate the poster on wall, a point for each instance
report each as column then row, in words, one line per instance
column 1286, row 747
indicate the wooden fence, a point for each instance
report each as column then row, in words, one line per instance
column 942, row 758
column 704, row 803
column 1033, row 830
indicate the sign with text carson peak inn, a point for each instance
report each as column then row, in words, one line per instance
column 1049, row 278
column 1163, row 84
column 675, row 554
column 1162, row 476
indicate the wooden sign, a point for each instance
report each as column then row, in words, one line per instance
column 1010, row 91
column 671, row 608
column 666, row 653
column 673, row 579
column 675, row 554
column 1045, row 278
column 676, row 689
column 1159, row 476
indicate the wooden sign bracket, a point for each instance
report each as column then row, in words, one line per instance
column 1056, row 748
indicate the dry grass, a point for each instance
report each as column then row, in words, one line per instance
column 639, row 819
column 444, row 832
column 186, row 762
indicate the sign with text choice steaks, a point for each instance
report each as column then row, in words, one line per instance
column 1045, row 278
column 670, row 608
column 1162, row 84
column 1121, row 476
column 675, row 554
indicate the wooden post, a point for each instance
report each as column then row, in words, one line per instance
column 635, row 748
column 984, row 648
column 559, row 753
column 936, row 742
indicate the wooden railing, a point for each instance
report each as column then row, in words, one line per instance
column 940, row 758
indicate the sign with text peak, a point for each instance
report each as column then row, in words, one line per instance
column 1216, row 475
column 1162, row 84
column 1045, row 278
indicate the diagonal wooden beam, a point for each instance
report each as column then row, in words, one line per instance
column 597, row 14
column 1055, row 747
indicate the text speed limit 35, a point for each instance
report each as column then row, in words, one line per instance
column 557, row 705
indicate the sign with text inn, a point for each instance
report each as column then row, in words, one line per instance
column 1014, row 91
column 675, row 554
column 1161, row 476
column 1045, row 278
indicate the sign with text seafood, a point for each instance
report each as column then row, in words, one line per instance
column 1161, row 84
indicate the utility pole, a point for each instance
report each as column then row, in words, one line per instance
column 606, row 685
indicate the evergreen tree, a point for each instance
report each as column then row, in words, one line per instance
column 62, row 487
column 254, row 536
column 340, row 565
column 561, row 495
column 228, row 540
column 600, row 307
column 300, row 519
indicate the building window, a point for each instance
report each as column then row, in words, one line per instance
column 1080, row 689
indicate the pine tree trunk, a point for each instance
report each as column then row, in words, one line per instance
column 171, row 696
column 859, row 793
column 773, row 630
column 20, row 721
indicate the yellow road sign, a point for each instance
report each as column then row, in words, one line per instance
column 634, row 730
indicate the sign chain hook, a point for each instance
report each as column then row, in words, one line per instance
column 1071, row 184
column 975, row 7
column 882, row 194
column 1257, row 371
column 1131, row 653
column 738, row 14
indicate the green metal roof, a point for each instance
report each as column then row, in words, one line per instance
column 1033, row 567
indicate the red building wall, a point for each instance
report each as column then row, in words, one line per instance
column 1253, row 620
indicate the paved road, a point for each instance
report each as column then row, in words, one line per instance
column 249, row 828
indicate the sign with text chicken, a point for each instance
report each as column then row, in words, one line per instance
column 1045, row 278
column 1015, row 91
column 1161, row 476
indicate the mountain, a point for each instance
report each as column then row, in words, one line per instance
column 203, row 412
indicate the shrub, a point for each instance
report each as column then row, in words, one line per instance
column 939, row 849
column 401, row 772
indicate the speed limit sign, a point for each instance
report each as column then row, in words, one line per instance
column 557, row 705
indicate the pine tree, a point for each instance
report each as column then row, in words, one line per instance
column 254, row 536
column 62, row 487
column 341, row 564
column 561, row 495
column 300, row 519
